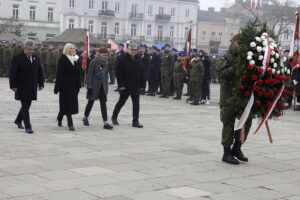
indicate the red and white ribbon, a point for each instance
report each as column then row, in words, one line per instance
column 239, row 124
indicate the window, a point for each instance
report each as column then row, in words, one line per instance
column 172, row 30
column 50, row 14
column 32, row 12
column 150, row 9
column 149, row 30
column 91, row 26
column 71, row 23
column 71, row 3
column 91, row 4
column 117, row 7
column 187, row 13
column 49, row 36
column 31, row 36
column 220, row 36
column 203, row 35
column 117, row 28
column 186, row 29
column 134, row 9
column 160, row 32
column 103, row 29
column 16, row 11
column 172, row 12
column 161, row 10
column 213, row 33
column 104, row 5
column 133, row 30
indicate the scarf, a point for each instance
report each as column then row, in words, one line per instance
column 72, row 58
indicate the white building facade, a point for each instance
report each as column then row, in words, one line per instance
column 141, row 21
column 40, row 18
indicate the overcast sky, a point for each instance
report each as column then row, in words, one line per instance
column 204, row 4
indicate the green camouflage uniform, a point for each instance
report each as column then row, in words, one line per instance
column 196, row 79
column 179, row 76
column 166, row 70
column 6, row 60
column 227, row 74
column 111, row 68
column 1, row 60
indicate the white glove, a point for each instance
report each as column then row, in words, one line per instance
column 295, row 82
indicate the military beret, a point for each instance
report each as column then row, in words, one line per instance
column 121, row 45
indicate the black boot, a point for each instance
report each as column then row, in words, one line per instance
column 114, row 121
column 136, row 123
column 59, row 122
column 85, row 121
column 195, row 103
column 228, row 157
column 177, row 98
column 237, row 152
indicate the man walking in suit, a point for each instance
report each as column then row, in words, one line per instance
column 25, row 78
column 130, row 77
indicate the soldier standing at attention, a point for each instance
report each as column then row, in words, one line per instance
column 111, row 67
column 227, row 68
column 166, row 70
column 6, row 59
column 197, row 73
column 179, row 76
column 43, row 59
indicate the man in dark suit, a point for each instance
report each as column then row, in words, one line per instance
column 25, row 78
column 144, row 56
column 130, row 76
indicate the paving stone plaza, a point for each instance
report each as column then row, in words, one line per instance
column 177, row 155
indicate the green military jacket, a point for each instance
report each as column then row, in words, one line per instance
column 197, row 71
column 7, row 56
column 178, row 69
column 1, row 55
column 111, row 61
column 167, row 63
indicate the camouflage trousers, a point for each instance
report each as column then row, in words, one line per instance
column 178, row 84
column 165, row 83
column 196, row 87
column 228, row 133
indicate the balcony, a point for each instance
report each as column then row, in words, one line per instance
column 138, row 16
column 106, row 13
column 163, row 17
column 106, row 36
column 163, row 39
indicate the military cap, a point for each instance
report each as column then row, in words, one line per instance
column 121, row 45
column 167, row 45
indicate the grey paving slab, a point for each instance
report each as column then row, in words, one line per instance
column 177, row 155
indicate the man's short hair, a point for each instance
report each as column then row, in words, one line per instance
column 29, row 43
column 133, row 46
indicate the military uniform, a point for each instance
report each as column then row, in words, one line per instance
column 111, row 68
column 227, row 74
column 42, row 60
column 166, row 70
column 6, row 60
column 1, row 61
column 179, row 76
column 196, row 79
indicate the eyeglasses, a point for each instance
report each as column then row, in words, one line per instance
column 133, row 49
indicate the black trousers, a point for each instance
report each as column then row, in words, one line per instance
column 122, row 100
column 24, row 113
column 205, row 90
column 69, row 118
column 102, row 99
column 153, row 85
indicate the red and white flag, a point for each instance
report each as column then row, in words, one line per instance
column 187, row 49
column 256, row 4
column 295, row 45
column 86, row 50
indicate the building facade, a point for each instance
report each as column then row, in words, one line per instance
column 141, row 21
column 39, row 18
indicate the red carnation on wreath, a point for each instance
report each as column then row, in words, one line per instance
column 250, row 67
column 254, row 77
column 260, row 69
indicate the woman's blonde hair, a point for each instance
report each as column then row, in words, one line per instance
column 67, row 47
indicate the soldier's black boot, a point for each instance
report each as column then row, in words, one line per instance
column 195, row 103
column 177, row 98
column 237, row 152
column 228, row 157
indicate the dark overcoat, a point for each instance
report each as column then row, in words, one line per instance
column 154, row 67
column 130, row 74
column 68, row 85
column 26, row 76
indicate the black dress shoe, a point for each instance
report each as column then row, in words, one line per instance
column 29, row 130
column 85, row 121
column 71, row 128
column 59, row 122
column 20, row 126
column 228, row 157
column 108, row 127
column 177, row 98
column 195, row 103
column 114, row 121
column 137, row 124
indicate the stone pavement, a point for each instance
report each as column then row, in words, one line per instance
column 177, row 155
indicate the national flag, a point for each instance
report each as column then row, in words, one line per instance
column 256, row 4
column 295, row 46
column 187, row 50
column 86, row 50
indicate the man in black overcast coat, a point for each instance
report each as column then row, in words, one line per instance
column 130, row 77
column 25, row 78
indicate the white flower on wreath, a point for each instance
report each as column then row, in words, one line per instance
column 273, row 53
column 273, row 71
column 279, row 48
column 249, row 57
column 257, row 39
column 282, row 71
column 285, row 69
column 264, row 49
column 275, row 45
column 275, row 65
column 284, row 59
column 271, row 47
column 250, row 53
column 252, row 62
column 278, row 72
column 272, row 60
column 265, row 34
column 260, row 57
column 252, row 44
column 265, row 43
column 259, row 49
column 277, row 55
column 288, row 72
column 281, row 64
